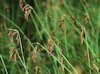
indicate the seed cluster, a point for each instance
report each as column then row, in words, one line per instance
column 61, row 24
column 12, row 55
column 26, row 8
column 34, row 54
column 50, row 46
column 12, row 33
column 82, row 34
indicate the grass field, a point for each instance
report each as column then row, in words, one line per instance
column 49, row 37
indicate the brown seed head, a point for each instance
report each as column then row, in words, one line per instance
column 11, row 53
column 34, row 54
column 21, row 4
column 12, row 33
column 87, row 18
column 95, row 66
column 15, row 58
column 27, row 8
column 82, row 35
column 61, row 24
column 50, row 46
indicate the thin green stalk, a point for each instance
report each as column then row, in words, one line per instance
column 31, row 43
column 18, row 29
column 89, row 20
column 54, row 43
column 72, row 8
column 36, row 26
column 38, row 8
column 20, row 38
column 98, row 32
column 88, row 55
column 66, row 44
column 4, row 64
column 91, row 49
column 23, row 64
column 55, row 59
column 21, row 48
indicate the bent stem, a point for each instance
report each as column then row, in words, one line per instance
column 55, row 59
column 54, row 42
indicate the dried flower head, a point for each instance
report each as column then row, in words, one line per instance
column 12, row 33
column 21, row 4
column 61, row 21
column 87, row 18
column 16, row 51
column 11, row 53
column 34, row 54
column 95, row 66
column 27, row 8
column 15, row 58
column 61, row 24
column 82, row 35
column 50, row 46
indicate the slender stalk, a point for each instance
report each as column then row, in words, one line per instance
column 17, row 28
column 29, row 40
column 66, row 45
column 4, row 64
column 21, row 48
column 56, row 59
column 23, row 64
column 36, row 26
column 88, row 55
column 55, row 43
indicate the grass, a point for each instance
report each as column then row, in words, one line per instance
column 60, row 49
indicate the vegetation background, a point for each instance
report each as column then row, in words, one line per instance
column 50, row 37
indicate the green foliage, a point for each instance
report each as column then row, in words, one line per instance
column 44, row 23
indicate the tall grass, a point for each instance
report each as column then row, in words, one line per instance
column 56, row 28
